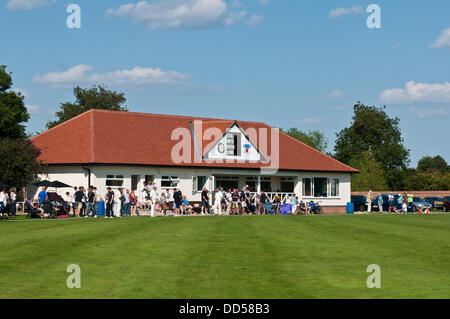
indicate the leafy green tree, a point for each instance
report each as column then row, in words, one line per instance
column 372, row 130
column 19, row 162
column 434, row 163
column 371, row 174
column 96, row 97
column 314, row 138
column 13, row 112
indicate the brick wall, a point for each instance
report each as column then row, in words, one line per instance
column 421, row 194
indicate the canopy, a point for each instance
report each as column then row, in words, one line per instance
column 55, row 184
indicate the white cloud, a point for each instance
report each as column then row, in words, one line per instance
column 237, row 16
column 336, row 94
column 311, row 121
column 264, row 2
column 236, row 4
column 33, row 109
column 417, row 92
column 136, row 76
column 28, row 4
column 429, row 112
column 341, row 12
column 173, row 14
column 254, row 20
column 443, row 41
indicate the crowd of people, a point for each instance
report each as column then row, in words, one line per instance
column 8, row 203
column 400, row 204
column 120, row 202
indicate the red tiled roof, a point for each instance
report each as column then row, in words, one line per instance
column 111, row 137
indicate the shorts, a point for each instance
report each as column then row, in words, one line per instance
column 262, row 205
column 76, row 205
column 205, row 203
column 234, row 205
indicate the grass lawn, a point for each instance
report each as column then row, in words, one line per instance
column 228, row 257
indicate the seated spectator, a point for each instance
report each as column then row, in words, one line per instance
column 185, row 207
column 302, row 208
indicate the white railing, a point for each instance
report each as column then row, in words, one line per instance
column 285, row 197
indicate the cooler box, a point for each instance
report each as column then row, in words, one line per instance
column 350, row 208
column 101, row 208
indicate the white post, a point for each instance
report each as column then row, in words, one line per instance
column 258, row 185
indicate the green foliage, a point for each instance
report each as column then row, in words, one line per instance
column 18, row 160
column 372, row 130
column 431, row 180
column 12, row 109
column 96, row 97
column 314, row 138
column 434, row 163
column 371, row 174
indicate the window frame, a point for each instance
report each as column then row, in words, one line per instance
column 330, row 180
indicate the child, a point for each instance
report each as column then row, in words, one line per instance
column 420, row 211
column 404, row 208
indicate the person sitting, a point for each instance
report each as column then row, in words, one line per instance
column 47, row 209
column 302, row 209
column 310, row 209
column 185, row 207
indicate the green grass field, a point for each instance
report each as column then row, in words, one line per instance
column 228, row 257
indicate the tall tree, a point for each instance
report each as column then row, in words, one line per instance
column 13, row 112
column 18, row 156
column 314, row 138
column 432, row 163
column 372, row 130
column 19, row 162
column 371, row 174
column 97, row 97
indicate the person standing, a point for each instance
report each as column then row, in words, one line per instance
column 235, row 202
column 3, row 203
column 218, row 202
column 109, row 203
column 391, row 203
column 13, row 199
column 369, row 201
column 91, row 198
column 262, row 202
column 380, row 202
column 293, row 201
column 410, row 202
column 79, row 196
column 133, row 203
column 42, row 195
column 205, row 201
column 117, row 202
column 72, row 200
column 153, row 201
column 126, row 202
column 177, row 201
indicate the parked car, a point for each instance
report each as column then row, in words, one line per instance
column 436, row 202
column 385, row 203
column 359, row 203
column 446, row 204
column 419, row 202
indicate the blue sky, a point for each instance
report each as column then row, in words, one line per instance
column 284, row 62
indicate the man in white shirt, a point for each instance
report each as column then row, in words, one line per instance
column 3, row 202
column 153, row 200
column 218, row 202
column 116, row 205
